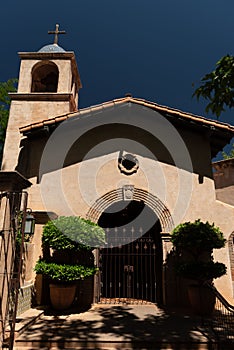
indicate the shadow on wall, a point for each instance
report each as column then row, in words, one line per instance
column 93, row 144
column 175, row 287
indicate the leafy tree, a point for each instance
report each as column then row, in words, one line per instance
column 230, row 154
column 218, row 86
column 5, row 88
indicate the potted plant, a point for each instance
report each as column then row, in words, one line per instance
column 63, row 278
column 194, row 243
column 67, row 256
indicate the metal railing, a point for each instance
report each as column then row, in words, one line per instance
column 12, row 204
column 222, row 321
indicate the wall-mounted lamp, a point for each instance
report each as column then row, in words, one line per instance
column 29, row 223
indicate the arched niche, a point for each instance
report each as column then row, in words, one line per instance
column 45, row 77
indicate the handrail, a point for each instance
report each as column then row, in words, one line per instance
column 222, row 321
column 221, row 298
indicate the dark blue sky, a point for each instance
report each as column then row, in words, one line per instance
column 154, row 49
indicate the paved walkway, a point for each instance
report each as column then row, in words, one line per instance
column 114, row 327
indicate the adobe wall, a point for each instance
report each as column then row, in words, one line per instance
column 195, row 201
column 224, row 180
column 29, row 107
column 175, row 169
column 44, row 109
column 65, row 74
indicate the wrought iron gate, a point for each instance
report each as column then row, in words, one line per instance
column 130, row 266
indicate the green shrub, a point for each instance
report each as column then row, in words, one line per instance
column 63, row 273
column 76, row 237
column 72, row 232
column 200, row 270
column 194, row 243
column 197, row 237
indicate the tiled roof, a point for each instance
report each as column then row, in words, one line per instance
column 161, row 109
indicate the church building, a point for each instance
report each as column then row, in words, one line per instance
column 135, row 167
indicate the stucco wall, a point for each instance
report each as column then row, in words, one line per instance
column 27, row 107
column 65, row 75
column 174, row 166
column 32, row 112
column 224, row 180
column 76, row 188
column 185, row 186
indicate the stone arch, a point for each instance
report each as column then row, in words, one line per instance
column 231, row 257
column 129, row 192
column 45, row 77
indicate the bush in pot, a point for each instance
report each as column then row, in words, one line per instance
column 72, row 233
column 63, row 273
column 63, row 278
column 194, row 243
column 67, row 255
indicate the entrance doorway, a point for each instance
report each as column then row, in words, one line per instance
column 131, row 264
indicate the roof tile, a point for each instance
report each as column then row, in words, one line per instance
column 142, row 102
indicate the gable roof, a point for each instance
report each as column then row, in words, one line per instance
column 167, row 111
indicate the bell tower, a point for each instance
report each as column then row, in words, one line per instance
column 48, row 86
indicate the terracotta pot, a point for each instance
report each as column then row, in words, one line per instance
column 202, row 299
column 62, row 296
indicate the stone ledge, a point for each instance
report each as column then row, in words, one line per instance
column 13, row 181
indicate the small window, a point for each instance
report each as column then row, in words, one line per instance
column 45, row 77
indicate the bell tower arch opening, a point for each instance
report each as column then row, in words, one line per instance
column 48, row 86
column 45, row 77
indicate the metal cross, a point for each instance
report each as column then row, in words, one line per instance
column 56, row 32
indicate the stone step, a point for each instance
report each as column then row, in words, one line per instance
column 114, row 345
column 23, row 322
column 115, row 327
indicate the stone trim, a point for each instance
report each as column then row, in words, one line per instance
column 13, row 181
column 46, row 55
column 117, row 195
column 41, row 96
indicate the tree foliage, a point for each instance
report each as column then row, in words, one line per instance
column 197, row 237
column 5, row 88
column 230, row 154
column 201, row 271
column 218, row 86
column 63, row 272
column 194, row 243
column 73, row 238
column 72, row 233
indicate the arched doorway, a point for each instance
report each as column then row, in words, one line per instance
column 131, row 264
